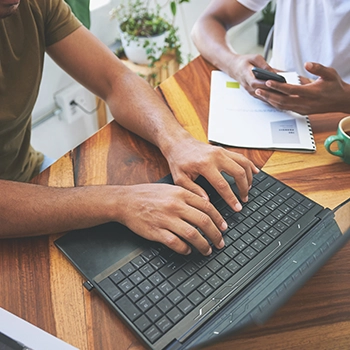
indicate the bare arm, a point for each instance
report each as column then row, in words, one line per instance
column 209, row 36
column 28, row 210
column 157, row 212
column 167, row 212
column 209, row 31
column 135, row 105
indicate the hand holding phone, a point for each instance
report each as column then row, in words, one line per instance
column 263, row 74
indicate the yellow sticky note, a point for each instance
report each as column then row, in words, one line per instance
column 232, row 84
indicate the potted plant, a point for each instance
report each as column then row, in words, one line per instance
column 266, row 23
column 145, row 31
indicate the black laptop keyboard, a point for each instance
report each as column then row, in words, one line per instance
column 158, row 288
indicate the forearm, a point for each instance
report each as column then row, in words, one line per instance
column 31, row 210
column 209, row 36
column 143, row 112
column 209, row 33
column 132, row 101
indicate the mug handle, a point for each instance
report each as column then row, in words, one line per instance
column 328, row 143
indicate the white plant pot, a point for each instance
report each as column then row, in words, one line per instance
column 135, row 51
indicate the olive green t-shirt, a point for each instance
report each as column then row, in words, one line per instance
column 24, row 37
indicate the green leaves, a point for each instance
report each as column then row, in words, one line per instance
column 146, row 26
column 138, row 19
column 269, row 13
column 173, row 7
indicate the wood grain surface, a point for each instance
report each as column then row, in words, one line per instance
column 39, row 285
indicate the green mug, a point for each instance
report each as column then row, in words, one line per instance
column 343, row 141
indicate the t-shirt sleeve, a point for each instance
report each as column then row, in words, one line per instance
column 254, row 5
column 59, row 21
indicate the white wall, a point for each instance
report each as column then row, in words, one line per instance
column 55, row 136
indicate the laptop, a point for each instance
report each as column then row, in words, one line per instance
column 170, row 301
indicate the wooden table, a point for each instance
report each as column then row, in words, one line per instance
column 39, row 285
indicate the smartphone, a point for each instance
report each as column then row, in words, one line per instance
column 263, row 74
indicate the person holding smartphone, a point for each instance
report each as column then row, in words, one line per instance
column 310, row 37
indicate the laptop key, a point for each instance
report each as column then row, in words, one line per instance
column 190, row 268
column 234, row 234
column 185, row 306
column 195, row 297
column 178, row 278
column 188, row 286
column 142, row 323
column 175, row 296
column 265, row 239
column 138, row 261
column 214, row 265
column 128, row 308
column 247, row 238
column 272, row 205
column 265, row 184
column 224, row 274
column 231, row 251
column 128, row 269
column 255, row 232
column 136, row 277
column 147, row 270
column 175, row 315
column 154, row 314
column 110, row 289
column 144, row 304
column 117, row 276
column 126, row 285
column 172, row 267
column 258, row 246
column 153, row 334
column 222, row 258
column 145, row 286
column 164, row 324
column 215, row 281
column 233, row 266
column 291, row 202
column 157, row 262
column 156, row 278
column 149, row 254
column 204, row 273
column 250, row 252
column 241, row 259
column 135, row 294
column 242, row 228
column 165, row 305
column 277, row 187
column 200, row 260
column 155, row 295
column 165, row 287
column 240, row 245
column 205, row 289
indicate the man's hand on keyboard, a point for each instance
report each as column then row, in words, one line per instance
column 170, row 214
column 191, row 158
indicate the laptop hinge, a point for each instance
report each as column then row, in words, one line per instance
column 88, row 285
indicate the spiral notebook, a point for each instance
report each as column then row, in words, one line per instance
column 237, row 119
